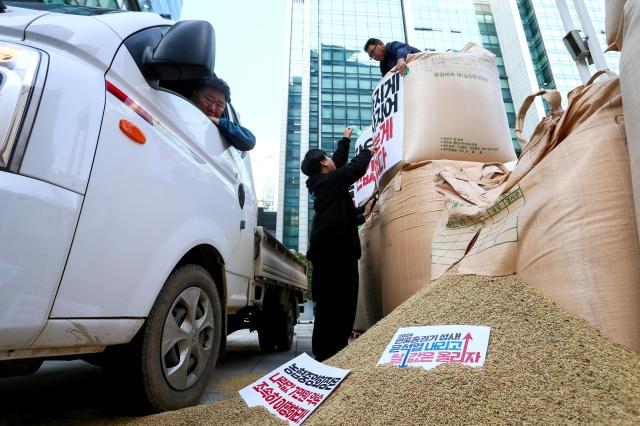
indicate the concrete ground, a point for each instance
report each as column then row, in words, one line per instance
column 76, row 392
column 244, row 362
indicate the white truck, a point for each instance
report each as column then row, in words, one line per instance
column 127, row 223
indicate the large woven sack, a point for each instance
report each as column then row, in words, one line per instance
column 453, row 108
column 630, row 86
column 567, row 227
column 410, row 208
column 369, row 309
column 613, row 24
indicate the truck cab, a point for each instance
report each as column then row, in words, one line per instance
column 129, row 225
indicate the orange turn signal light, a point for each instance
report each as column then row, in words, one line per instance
column 132, row 131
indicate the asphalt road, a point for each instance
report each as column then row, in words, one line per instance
column 75, row 392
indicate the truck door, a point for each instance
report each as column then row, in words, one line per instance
column 247, row 219
column 149, row 204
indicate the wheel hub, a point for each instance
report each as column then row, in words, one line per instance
column 187, row 338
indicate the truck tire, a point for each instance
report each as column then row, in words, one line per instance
column 285, row 325
column 266, row 339
column 177, row 349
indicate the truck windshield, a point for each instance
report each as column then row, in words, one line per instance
column 83, row 7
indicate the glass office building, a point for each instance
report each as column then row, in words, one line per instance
column 330, row 78
column 531, row 33
column 170, row 8
column 329, row 87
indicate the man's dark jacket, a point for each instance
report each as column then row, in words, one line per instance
column 334, row 230
column 395, row 51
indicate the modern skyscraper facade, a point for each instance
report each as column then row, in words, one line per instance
column 329, row 87
column 167, row 7
column 531, row 33
column 330, row 77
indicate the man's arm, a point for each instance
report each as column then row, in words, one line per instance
column 238, row 136
column 345, row 176
column 400, row 51
column 341, row 154
column 404, row 49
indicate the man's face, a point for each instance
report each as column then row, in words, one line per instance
column 327, row 165
column 377, row 51
column 211, row 102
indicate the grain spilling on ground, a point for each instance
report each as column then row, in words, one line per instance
column 230, row 386
column 230, row 412
column 543, row 365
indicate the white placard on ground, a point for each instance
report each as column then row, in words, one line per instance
column 293, row 390
column 387, row 123
column 363, row 188
column 430, row 346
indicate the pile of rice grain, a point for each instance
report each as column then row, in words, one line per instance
column 543, row 365
column 230, row 412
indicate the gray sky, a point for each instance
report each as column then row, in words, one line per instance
column 250, row 57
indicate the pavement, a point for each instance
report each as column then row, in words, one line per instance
column 245, row 363
column 75, row 391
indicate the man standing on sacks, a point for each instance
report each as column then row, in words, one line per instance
column 334, row 245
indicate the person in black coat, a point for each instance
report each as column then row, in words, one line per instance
column 391, row 55
column 334, row 244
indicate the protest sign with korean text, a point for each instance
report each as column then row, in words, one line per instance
column 387, row 123
column 293, row 390
column 430, row 346
column 363, row 188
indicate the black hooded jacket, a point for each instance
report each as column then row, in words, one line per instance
column 334, row 230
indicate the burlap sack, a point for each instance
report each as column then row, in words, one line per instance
column 453, row 108
column 410, row 208
column 369, row 309
column 613, row 24
column 567, row 227
column 630, row 86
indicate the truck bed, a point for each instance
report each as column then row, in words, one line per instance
column 275, row 263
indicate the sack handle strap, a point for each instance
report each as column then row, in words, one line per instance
column 551, row 96
column 599, row 73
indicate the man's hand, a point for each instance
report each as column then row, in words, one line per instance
column 347, row 132
column 373, row 149
column 402, row 67
column 215, row 120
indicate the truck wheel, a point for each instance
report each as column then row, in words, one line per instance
column 286, row 323
column 266, row 339
column 179, row 344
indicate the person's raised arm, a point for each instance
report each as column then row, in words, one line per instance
column 341, row 154
column 346, row 176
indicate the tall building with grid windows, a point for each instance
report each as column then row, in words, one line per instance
column 330, row 77
column 530, row 33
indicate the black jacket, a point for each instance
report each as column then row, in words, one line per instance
column 334, row 230
column 395, row 51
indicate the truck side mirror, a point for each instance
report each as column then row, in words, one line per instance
column 187, row 51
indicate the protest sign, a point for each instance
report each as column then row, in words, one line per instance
column 363, row 188
column 387, row 123
column 295, row 389
column 430, row 346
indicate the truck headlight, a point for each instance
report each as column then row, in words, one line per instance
column 18, row 73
